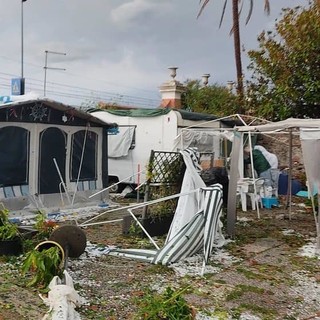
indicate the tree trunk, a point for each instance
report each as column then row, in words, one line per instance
column 237, row 52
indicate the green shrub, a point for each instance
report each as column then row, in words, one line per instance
column 169, row 305
column 8, row 230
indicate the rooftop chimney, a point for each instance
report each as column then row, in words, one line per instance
column 205, row 79
column 171, row 91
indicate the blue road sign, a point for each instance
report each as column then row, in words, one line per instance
column 17, row 86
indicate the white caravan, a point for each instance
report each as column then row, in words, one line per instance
column 143, row 130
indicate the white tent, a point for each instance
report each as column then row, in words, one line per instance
column 310, row 143
column 51, row 155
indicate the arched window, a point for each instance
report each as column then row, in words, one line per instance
column 52, row 160
column 14, row 156
column 84, row 156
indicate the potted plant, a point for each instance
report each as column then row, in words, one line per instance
column 10, row 240
column 44, row 262
column 159, row 216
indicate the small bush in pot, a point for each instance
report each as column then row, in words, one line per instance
column 43, row 264
column 10, row 240
column 8, row 230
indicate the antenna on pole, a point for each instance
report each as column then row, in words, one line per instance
column 46, row 68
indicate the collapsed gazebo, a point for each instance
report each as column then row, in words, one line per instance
column 309, row 130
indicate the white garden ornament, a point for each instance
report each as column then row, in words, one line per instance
column 62, row 299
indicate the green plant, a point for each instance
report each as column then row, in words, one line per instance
column 165, row 172
column 43, row 226
column 169, row 305
column 43, row 264
column 308, row 201
column 135, row 229
column 166, row 208
column 8, row 230
column 162, row 210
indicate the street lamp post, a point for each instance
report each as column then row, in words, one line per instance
column 46, row 68
column 22, row 75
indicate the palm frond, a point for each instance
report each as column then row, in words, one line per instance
column 250, row 12
column 267, row 6
column 204, row 3
column 241, row 2
column 231, row 31
column 223, row 12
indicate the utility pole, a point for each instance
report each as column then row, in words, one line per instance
column 46, row 68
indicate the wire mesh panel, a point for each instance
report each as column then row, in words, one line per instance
column 165, row 168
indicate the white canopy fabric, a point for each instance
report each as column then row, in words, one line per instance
column 271, row 157
column 202, row 233
column 119, row 144
column 310, row 143
column 203, row 140
column 282, row 125
column 187, row 205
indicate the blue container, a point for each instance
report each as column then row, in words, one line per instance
column 270, row 202
column 283, row 185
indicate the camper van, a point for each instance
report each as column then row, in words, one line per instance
column 142, row 130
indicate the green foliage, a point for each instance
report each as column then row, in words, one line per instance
column 135, row 229
column 44, row 265
column 165, row 170
column 43, row 226
column 212, row 99
column 286, row 67
column 162, row 209
column 8, row 230
column 241, row 290
column 169, row 305
column 308, row 201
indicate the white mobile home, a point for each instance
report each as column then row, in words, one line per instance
column 143, row 130
column 50, row 154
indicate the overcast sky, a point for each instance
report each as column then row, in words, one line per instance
column 121, row 49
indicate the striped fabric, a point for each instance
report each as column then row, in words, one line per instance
column 213, row 227
column 194, row 155
column 84, row 185
column 14, row 191
column 200, row 234
column 187, row 242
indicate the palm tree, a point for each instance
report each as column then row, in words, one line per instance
column 236, row 37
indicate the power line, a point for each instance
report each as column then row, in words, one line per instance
column 79, row 93
column 79, row 76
